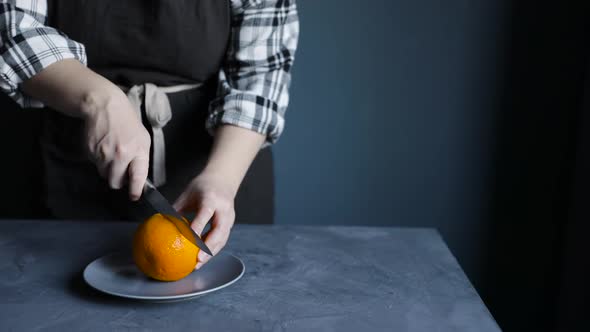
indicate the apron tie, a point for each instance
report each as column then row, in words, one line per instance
column 158, row 113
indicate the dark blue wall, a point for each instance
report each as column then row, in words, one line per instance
column 392, row 117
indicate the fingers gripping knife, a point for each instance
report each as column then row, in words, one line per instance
column 160, row 204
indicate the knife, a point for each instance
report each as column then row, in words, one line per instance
column 160, row 204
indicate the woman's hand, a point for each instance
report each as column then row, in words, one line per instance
column 211, row 194
column 212, row 198
column 118, row 143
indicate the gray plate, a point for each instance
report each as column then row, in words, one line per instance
column 116, row 274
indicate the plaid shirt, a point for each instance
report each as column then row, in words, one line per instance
column 253, row 81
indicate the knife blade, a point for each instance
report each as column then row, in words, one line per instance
column 161, row 204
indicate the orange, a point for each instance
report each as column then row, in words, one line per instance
column 162, row 250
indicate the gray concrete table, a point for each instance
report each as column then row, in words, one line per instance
column 297, row 279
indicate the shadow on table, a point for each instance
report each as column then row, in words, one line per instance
column 79, row 288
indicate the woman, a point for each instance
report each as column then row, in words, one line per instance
column 132, row 90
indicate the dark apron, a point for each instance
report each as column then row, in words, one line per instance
column 133, row 42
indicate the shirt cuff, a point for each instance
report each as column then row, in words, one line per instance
column 28, row 53
column 247, row 111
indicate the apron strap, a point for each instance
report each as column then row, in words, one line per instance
column 158, row 112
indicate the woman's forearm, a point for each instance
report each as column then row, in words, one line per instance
column 69, row 87
column 117, row 141
column 233, row 151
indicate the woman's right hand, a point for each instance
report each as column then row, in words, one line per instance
column 117, row 141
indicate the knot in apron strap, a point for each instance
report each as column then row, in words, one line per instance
column 158, row 112
column 157, row 106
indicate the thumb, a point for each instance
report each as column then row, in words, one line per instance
column 204, row 214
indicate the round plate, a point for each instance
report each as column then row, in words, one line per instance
column 116, row 274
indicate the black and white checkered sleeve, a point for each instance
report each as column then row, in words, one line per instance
column 254, row 81
column 27, row 46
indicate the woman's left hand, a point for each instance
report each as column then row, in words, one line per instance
column 211, row 194
column 212, row 198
